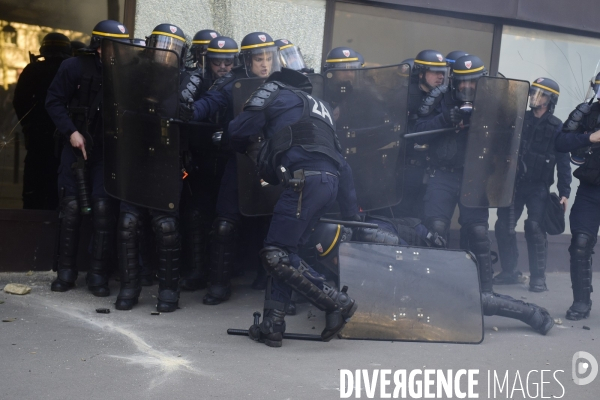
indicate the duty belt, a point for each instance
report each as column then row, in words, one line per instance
column 311, row 173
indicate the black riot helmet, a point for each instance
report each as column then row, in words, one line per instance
column 343, row 57
column 168, row 37
column 290, row 55
column 222, row 52
column 108, row 29
column 200, row 43
column 431, row 61
column 543, row 92
column 259, row 54
column 465, row 73
column 361, row 59
column 455, row 55
column 55, row 44
column 594, row 90
column 325, row 241
column 293, row 78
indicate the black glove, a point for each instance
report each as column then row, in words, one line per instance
column 453, row 116
column 572, row 123
column 186, row 111
column 191, row 86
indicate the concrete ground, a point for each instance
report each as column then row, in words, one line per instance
column 58, row 347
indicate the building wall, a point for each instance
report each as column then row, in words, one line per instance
column 300, row 21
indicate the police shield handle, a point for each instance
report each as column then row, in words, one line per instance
column 78, row 141
column 410, row 135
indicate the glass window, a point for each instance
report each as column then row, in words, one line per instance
column 22, row 28
column 568, row 59
column 387, row 36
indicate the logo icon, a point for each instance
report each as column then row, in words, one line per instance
column 540, row 80
column 221, row 43
column 580, row 368
column 285, row 41
column 173, row 28
column 440, row 57
column 121, row 28
column 213, row 35
column 262, row 37
column 319, row 247
column 346, row 53
column 468, row 64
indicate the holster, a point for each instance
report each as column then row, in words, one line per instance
column 296, row 183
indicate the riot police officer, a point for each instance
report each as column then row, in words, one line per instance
column 302, row 153
column 259, row 55
column 41, row 160
column 580, row 135
column 455, row 55
column 74, row 102
column 165, row 224
column 539, row 158
column 447, row 152
column 205, row 167
column 199, row 47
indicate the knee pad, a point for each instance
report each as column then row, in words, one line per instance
column 502, row 227
column 581, row 246
column 166, row 230
column 69, row 209
column 224, row 230
column 533, row 228
column 479, row 240
column 102, row 214
column 439, row 226
column 128, row 225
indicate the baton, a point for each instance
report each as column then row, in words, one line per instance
column 411, row 135
column 349, row 224
column 296, row 336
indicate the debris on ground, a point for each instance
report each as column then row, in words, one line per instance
column 495, row 328
column 9, row 320
column 17, row 288
column 154, row 313
column 587, row 328
column 558, row 321
column 103, row 310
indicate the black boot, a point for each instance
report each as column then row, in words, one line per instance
column 169, row 260
column 505, row 306
column 336, row 319
column 581, row 251
column 537, row 248
column 127, row 254
column 195, row 247
column 270, row 330
column 508, row 253
column 479, row 245
column 104, row 226
column 69, row 241
column 222, row 257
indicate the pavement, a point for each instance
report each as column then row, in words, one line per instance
column 58, row 347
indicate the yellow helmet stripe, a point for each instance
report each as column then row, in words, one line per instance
column 254, row 46
column 55, row 43
column 596, row 82
column 334, row 60
column 286, row 46
column 434, row 63
column 117, row 35
column 169, row 34
column 468, row 71
column 222, row 50
column 337, row 235
column 200, row 41
column 545, row 88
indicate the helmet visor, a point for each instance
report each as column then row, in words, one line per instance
column 291, row 57
column 538, row 97
column 262, row 61
column 167, row 43
column 594, row 90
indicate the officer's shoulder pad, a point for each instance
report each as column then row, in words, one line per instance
column 262, row 96
column 222, row 81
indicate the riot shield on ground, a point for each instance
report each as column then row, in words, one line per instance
column 494, row 138
column 141, row 142
column 257, row 197
column 370, row 109
column 411, row 293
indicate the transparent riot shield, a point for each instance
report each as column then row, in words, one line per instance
column 411, row 293
column 370, row 109
column 141, row 142
column 494, row 138
column 257, row 197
